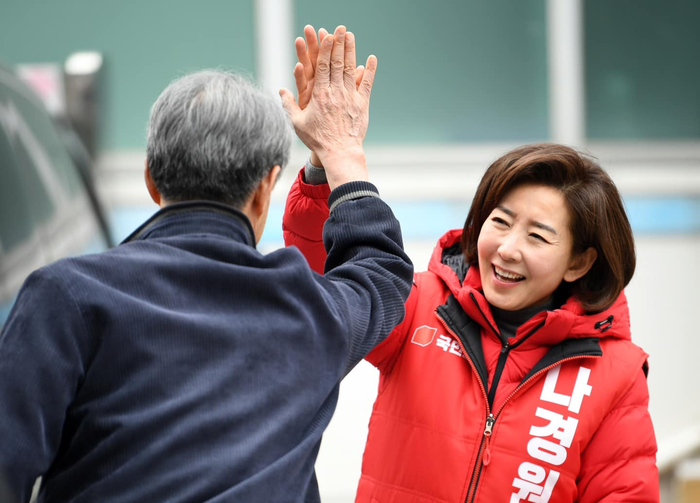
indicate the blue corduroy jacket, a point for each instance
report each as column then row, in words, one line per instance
column 186, row 366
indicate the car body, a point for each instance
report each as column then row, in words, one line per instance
column 48, row 205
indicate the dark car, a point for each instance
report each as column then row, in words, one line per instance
column 48, row 205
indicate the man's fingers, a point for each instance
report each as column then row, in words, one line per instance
column 359, row 72
column 312, row 49
column 289, row 104
column 323, row 64
column 322, row 33
column 365, row 88
column 338, row 56
column 349, row 68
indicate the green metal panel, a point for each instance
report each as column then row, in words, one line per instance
column 145, row 44
column 449, row 70
column 643, row 70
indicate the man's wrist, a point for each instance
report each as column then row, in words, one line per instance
column 331, row 156
column 345, row 166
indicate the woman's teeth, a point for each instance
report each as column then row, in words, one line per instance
column 507, row 276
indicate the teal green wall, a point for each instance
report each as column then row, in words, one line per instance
column 642, row 69
column 449, row 71
column 145, row 44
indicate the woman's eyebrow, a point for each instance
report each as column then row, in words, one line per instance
column 540, row 225
column 505, row 210
column 544, row 227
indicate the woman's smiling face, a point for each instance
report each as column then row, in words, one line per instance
column 525, row 248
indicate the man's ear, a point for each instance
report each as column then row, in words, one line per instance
column 150, row 185
column 580, row 264
column 259, row 202
column 261, row 197
column 271, row 178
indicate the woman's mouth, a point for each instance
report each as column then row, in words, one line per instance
column 506, row 276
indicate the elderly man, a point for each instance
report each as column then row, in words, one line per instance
column 184, row 365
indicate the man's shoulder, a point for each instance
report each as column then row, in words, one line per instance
column 130, row 258
column 72, row 272
column 76, row 263
column 129, row 264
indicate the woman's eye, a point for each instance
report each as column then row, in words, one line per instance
column 499, row 221
column 537, row 236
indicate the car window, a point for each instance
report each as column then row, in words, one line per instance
column 45, row 164
column 21, row 248
column 45, row 211
column 16, row 219
column 50, row 160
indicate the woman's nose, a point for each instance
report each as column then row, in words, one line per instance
column 510, row 249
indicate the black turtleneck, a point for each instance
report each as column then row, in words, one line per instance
column 509, row 321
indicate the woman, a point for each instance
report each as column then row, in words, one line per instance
column 513, row 376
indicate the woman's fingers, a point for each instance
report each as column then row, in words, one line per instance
column 300, row 79
column 300, row 48
column 312, row 49
column 359, row 72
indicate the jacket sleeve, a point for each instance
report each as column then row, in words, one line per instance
column 385, row 355
column 305, row 213
column 42, row 353
column 619, row 464
column 367, row 272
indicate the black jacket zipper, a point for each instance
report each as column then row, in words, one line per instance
column 505, row 351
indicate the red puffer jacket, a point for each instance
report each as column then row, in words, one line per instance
column 559, row 414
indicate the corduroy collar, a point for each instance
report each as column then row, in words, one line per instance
column 199, row 217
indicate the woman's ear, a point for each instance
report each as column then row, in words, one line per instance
column 580, row 264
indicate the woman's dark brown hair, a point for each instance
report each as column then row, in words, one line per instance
column 598, row 217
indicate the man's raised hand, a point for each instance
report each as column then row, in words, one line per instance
column 334, row 122
column 305, row 70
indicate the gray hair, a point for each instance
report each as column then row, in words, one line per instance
column 214, row 135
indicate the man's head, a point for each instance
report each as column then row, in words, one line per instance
column 214, row 136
